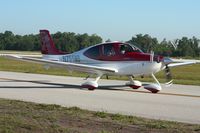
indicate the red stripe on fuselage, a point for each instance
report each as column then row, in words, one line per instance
column 133, row 56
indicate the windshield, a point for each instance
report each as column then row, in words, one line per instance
column 136, row 48
column 125, row 48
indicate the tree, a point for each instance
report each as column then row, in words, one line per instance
column 184, row 47
column 1, row 41
column 95, row 39
column 108, row 40
column 8, row 40
column 144, row 42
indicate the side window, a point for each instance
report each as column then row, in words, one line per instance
column 122, row 49
column 128, row 48
column 125, row 49
column 93, row 52
column 108, row 50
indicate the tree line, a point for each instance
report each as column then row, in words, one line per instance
column 70, row 42
column 184, row 47
column 67, row 41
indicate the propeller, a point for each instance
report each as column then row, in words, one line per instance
column 169, row 80
column 165, row 63
column 168, row 75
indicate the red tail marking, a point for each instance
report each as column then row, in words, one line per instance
column 47, row 44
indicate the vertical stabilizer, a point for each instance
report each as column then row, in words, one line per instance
column 47, row 44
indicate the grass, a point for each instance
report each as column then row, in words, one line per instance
column 188, row 75
column 17, row 116
column 20, row 52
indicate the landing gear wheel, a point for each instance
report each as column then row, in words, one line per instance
column 91, row 85
column 91, row 88
column 155, row 91
column 134, row 86
column 152, row 90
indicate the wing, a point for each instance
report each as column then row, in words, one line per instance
column 185, row 60
column 180, row 62
column 68, row 65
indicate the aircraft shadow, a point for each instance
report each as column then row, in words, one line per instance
column 39, row 85
column 57, row 85
column 71, row 86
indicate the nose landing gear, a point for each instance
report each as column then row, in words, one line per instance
column 154, row 87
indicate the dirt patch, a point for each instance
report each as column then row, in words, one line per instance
column 95, row 126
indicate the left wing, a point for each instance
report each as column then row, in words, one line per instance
column 68, row 65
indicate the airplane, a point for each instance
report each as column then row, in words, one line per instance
column 110, row 58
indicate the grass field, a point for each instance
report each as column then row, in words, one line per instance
column 20, row 52
column 18, row 117
column 181, row 75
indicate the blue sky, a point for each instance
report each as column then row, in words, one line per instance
column 114, row 19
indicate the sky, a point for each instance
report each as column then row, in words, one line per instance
column 117, row 20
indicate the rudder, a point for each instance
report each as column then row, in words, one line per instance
column 47, row 44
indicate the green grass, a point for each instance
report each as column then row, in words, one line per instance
column 20, row 52
column 26, row 67
column 188, row 75
column 17, row 116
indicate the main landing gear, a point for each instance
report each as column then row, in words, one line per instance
column 91, row 85
column 133, row 83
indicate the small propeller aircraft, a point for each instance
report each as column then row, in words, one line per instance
column 111, row 58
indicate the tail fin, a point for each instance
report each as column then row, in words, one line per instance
column 47, row 44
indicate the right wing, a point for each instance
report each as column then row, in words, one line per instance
column 68, row 65
column 185, row 60
column 171, row 62
column 181, row 64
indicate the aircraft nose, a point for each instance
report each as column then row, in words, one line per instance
column 167, row 60
column 156, row 67
column 158, row 58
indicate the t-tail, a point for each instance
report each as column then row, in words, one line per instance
column 47, row 44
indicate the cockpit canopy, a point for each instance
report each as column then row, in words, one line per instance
column 111, row 50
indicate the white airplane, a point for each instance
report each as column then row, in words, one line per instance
column 112, row 58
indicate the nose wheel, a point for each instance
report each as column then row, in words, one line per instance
column 153, row 88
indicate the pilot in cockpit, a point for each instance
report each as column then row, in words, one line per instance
column 122, row 49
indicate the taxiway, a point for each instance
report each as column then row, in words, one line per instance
column 176, row 103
